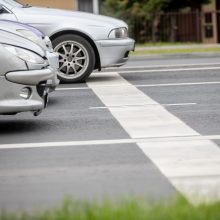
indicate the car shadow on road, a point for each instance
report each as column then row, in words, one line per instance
column 53, row 101
column 15, row 126
column 100, row 78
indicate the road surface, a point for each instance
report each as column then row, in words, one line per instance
column 150, row 128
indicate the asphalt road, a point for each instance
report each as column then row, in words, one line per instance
column 150, row 128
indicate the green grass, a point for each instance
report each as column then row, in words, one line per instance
column 128, row 209
column 151, row 44
column 173, row 48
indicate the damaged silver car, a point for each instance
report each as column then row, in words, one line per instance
column 25, row 75
column 37, row 37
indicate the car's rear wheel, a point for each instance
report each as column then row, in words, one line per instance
column 76, row 58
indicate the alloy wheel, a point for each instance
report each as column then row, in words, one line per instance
column 73, row 59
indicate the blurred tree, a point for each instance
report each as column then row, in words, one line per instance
column 147, row 10
column 141, row 7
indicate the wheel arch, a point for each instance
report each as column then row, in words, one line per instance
column 97, row 57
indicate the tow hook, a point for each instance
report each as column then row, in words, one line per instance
column 36, row 113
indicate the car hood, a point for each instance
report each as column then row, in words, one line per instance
column 13, row 26
column 60, row 15
column 13, row 39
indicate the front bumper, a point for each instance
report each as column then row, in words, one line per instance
column 53, row 61
column 12, row 84
column 114, row 52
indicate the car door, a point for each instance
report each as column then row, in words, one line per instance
column 6, row 14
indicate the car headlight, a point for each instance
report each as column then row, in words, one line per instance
column 31, row 36
column 24, row 54
column 118, row 33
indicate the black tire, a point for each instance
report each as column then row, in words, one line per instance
column 76, row 58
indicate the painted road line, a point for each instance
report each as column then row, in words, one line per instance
column 179, row 84
column 179, row 104
column 66, row 144
column 150, row 85
column 192, row 167
column 132, row 106
column 146, row 85
column 163, row 66
column 132, row 118
column 169, row 70
column 189, row 158
column 150, row 140
column 72, row 88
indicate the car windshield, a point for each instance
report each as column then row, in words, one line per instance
column 13, row 3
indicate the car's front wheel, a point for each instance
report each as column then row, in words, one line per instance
column 76, row 58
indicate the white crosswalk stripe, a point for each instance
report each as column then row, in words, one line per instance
column 193, row 167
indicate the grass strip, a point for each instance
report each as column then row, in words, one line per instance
column 128, row 209
column 158, row 44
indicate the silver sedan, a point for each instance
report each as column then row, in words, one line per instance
column 84, row 41
column 25, row 75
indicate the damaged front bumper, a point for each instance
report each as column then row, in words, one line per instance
column 25, row 91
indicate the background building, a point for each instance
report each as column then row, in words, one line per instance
column 67, row 4
column 81, row 5
column 210, row 22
